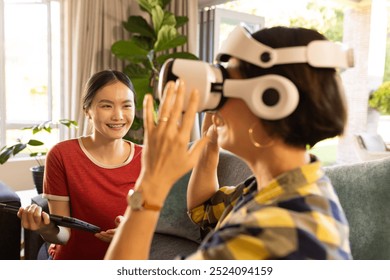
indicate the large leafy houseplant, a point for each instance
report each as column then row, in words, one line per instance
column 380, row 99
column 35, row 148
column 149, row 46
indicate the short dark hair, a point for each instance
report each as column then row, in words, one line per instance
column 100, row 80
column 321, row 112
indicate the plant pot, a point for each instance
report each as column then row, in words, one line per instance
column 37, row 172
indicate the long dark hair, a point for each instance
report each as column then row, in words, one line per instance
column 321, row 112
column 100, row 80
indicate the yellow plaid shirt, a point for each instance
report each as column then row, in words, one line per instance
column 297, row 216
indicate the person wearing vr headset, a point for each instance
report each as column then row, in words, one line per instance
column 279, row 93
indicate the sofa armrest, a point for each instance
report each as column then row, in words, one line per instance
column 364, row 193
column 10, row 233
column 32, row 240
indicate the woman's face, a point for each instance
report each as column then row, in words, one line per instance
column 234, row 119
column 112, row 111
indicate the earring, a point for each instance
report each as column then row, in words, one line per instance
column 254, row 142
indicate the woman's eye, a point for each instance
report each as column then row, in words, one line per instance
column 128, row 106
column 106, row 106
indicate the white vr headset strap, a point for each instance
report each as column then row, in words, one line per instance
column 252, row 91
column 319, row 53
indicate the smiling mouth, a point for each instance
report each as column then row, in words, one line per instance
column 115, row 125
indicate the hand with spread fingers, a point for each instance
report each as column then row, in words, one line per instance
column 165, row 159
column 166, row 156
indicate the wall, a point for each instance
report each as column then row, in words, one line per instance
column 17, row 175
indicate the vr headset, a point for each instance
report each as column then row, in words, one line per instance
column 269, row 97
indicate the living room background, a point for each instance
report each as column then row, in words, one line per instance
column 58, row 67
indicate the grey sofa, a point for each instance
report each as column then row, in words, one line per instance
column 363, row 189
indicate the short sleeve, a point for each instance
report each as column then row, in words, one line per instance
column 55, row 181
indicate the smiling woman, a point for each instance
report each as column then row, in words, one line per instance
column 98, row 169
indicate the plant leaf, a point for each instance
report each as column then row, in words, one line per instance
column 148, row 5
column 144, row 42
column 34, row 142
column 128, row 50
column 163, row 3
column 18, row 148
column 157, row 18
column 5, row 155
column 186, row 55
column 137, row 24
column 136, row 71
column 168, row 38
column 75, row 124
column 169, row 19
column 180, row 21
column 142, row 87
column 68, row 123
column 380, row 98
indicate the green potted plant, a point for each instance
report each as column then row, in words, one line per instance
column 380, row 99
column 150, row 45
column 31, row 146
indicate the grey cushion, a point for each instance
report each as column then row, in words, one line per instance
column 364, row 193
column 174, row 219
column 168, row 247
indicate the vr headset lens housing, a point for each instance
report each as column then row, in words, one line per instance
column 269, row 97
column 197, row 75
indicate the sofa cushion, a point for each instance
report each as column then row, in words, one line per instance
column 168, row 247
column 174, row 219
column 364, row 193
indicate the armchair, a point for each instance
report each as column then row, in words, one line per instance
column 370, row 147
column 10, row 233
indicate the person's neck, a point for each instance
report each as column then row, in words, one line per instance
column 276, row 160
column 109, row 151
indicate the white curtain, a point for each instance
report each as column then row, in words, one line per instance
column 90, row 28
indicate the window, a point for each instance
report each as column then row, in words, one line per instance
column 29, row 66
column 226, row 21
column 216, row 24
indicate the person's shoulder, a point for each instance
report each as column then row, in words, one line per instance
column 138, row 147
column 64, row 146
column 67, row 144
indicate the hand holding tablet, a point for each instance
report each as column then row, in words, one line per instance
column 58, row 220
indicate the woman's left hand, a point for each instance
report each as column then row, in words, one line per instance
column 166, row 157
column 108, row 235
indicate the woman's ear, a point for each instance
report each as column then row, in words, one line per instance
column 87, row 115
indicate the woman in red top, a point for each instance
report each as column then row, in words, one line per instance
column 89, row 177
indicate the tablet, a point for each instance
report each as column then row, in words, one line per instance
column 58, row 220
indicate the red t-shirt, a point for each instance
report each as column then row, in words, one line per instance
column 96, row 193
